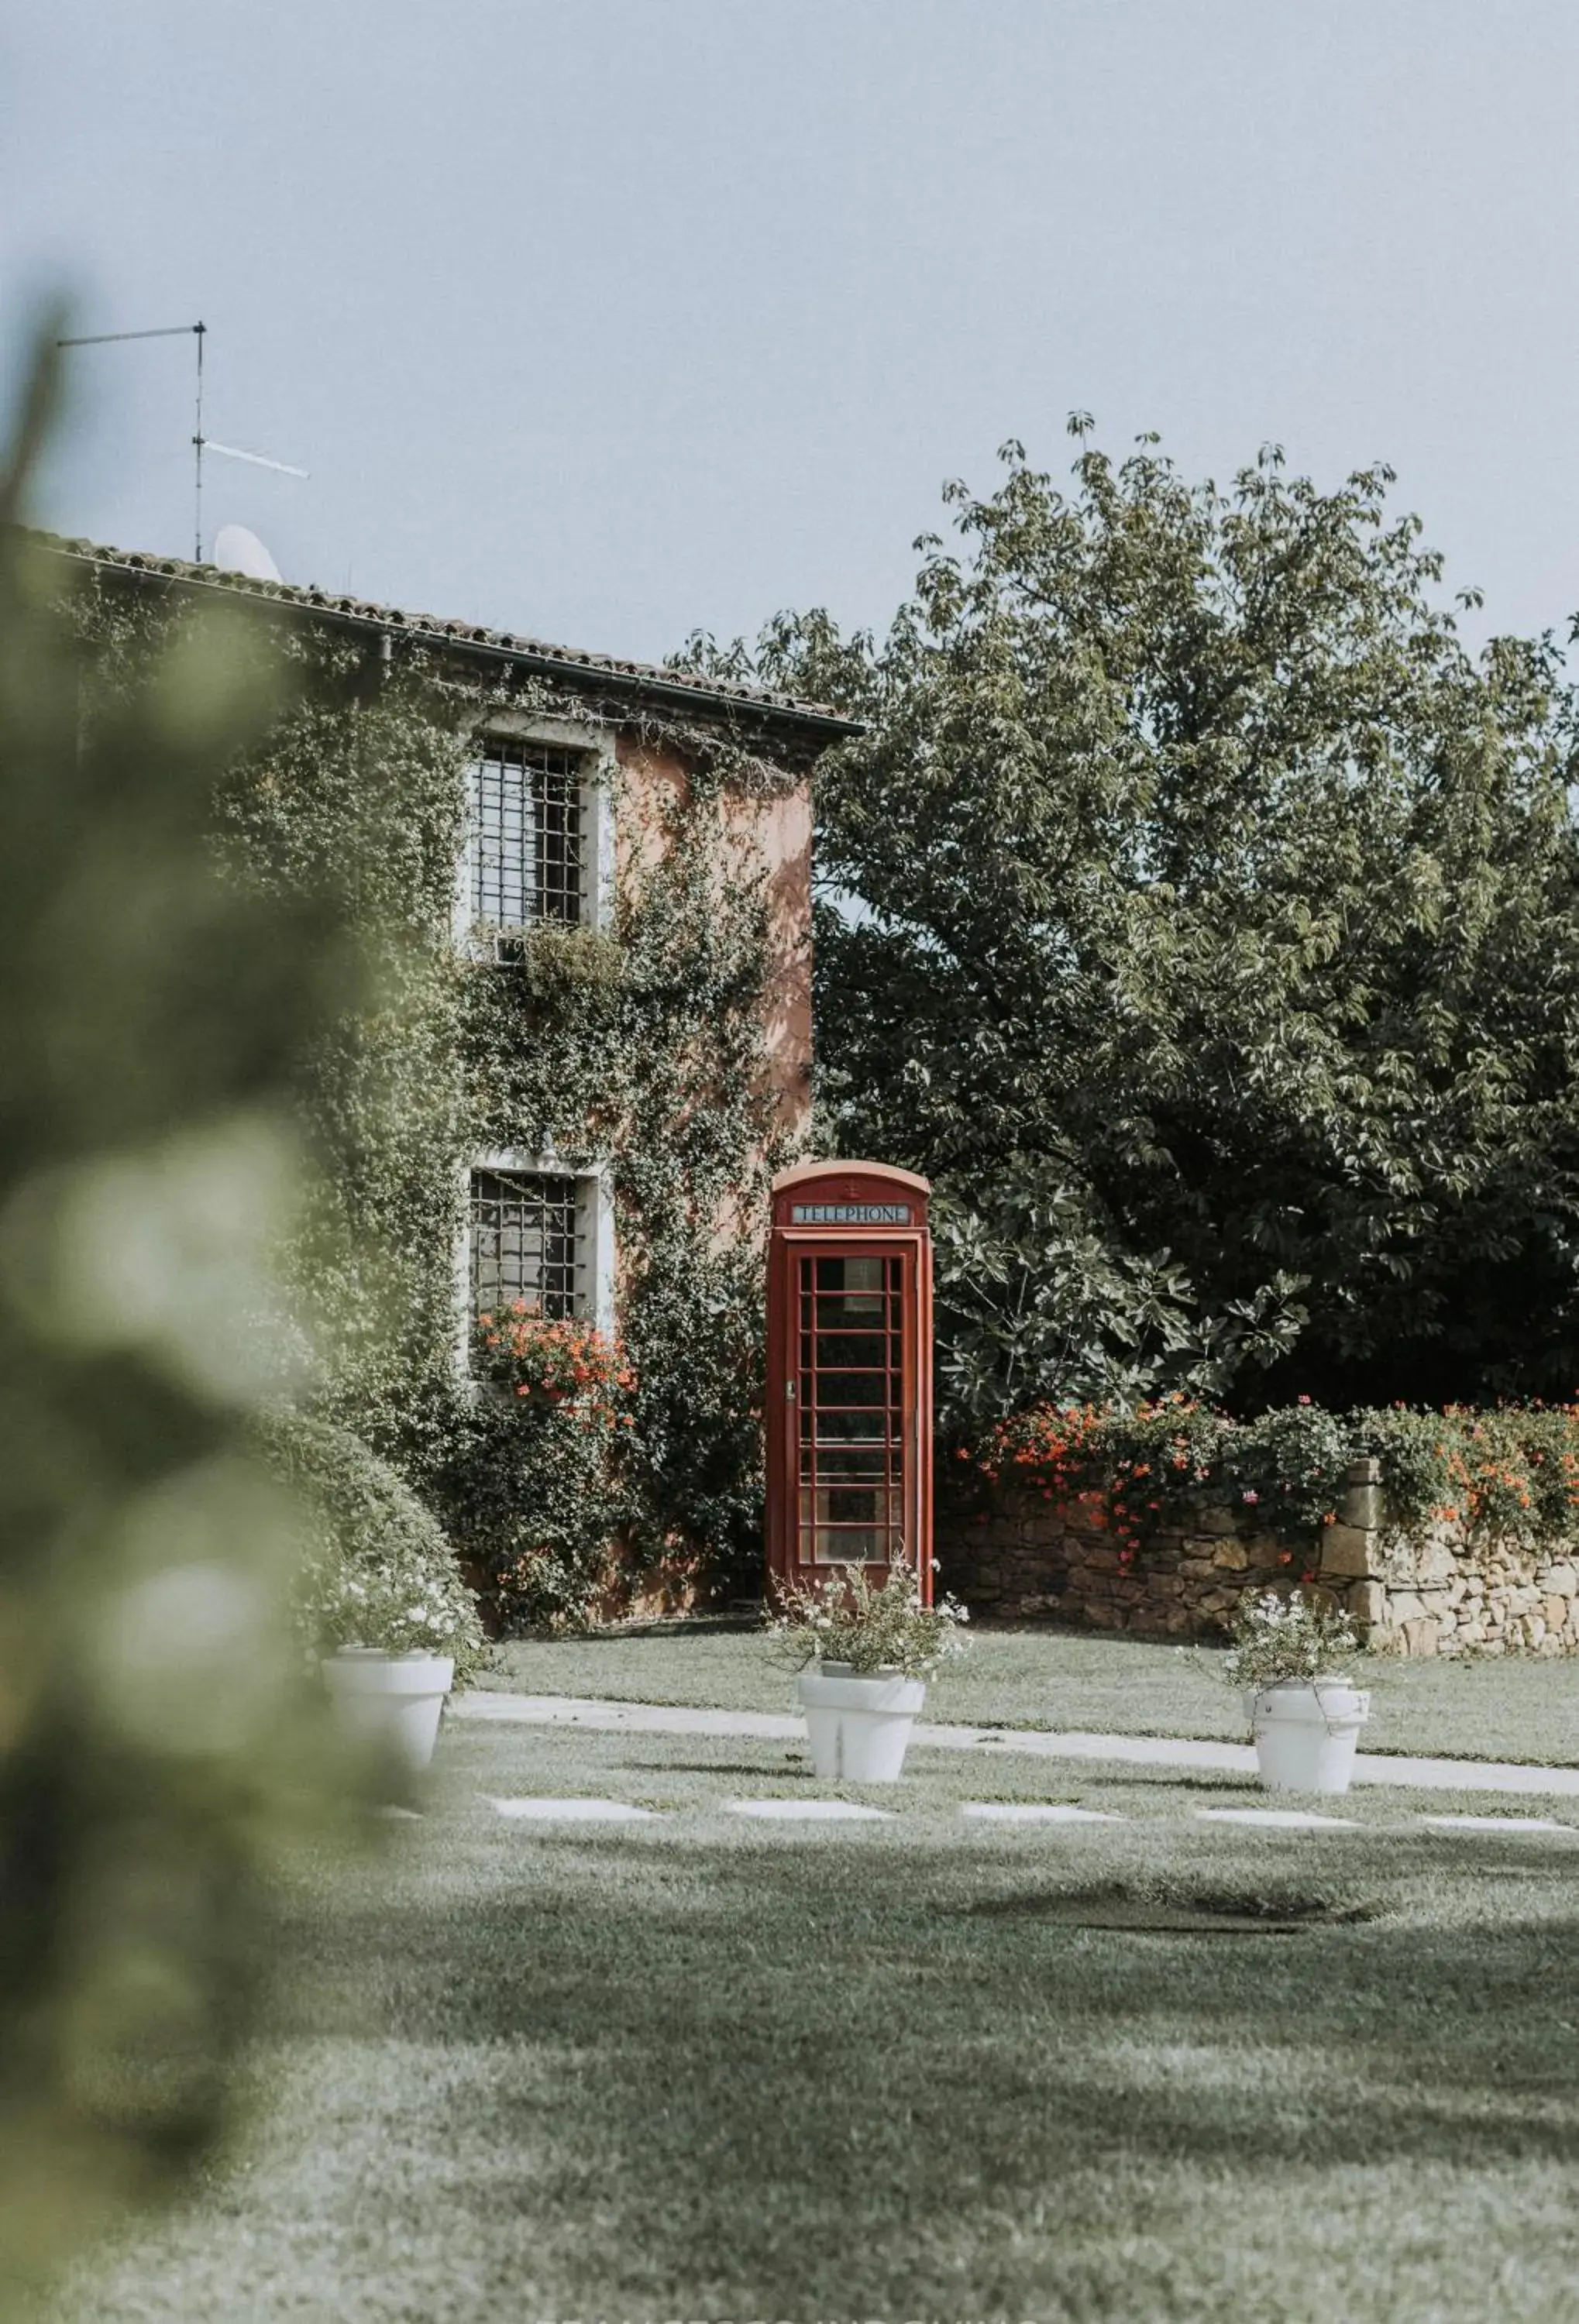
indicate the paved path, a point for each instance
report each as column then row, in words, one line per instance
column 1136, row 1750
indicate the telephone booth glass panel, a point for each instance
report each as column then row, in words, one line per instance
column 852, row 1409
column 849, row 1417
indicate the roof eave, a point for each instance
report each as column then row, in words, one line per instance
column 803, row 719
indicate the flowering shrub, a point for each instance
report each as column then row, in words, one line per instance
column 560, row 1362
column 1288, row 1465
column 1276, row 1638
column 841, row 1619
column 394, row 1602
column 542, row 1462
column 1505, row 1473
column 377, row 1569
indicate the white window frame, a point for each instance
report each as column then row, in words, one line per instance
column 595, row 1219
column 595, row 746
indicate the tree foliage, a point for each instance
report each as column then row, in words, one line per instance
column 1201, row 914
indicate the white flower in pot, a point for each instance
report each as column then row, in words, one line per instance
column 865, row 1654
column 1305, row 1714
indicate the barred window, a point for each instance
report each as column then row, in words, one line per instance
column 527, row 849
column 527, row 1243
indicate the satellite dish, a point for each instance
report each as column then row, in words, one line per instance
column 238, row 550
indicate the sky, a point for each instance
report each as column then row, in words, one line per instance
column 609, row 319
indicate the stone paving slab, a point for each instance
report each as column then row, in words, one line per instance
column 1135, row 1750
column 1276, row 1818
column 1035, row 1812
column 1493, row 1823
column 808, row 1810
column 547, row 1810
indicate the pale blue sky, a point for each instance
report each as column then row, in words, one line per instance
column 603, row 320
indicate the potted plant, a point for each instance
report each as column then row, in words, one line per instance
column 390, row 1637
column 1304, row 1715
column 380, row 1601
column 866, row 1654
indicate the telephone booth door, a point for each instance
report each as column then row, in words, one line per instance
column 849, row 1372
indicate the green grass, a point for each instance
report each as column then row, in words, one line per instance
column 1525, row 1709
column 705, row 2068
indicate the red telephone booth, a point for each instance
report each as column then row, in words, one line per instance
column 849, row 1372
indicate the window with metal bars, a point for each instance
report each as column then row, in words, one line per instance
column 528, row 862
column 527, row 1242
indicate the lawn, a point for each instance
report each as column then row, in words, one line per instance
column 1155, row 2072
column 1523, row 1707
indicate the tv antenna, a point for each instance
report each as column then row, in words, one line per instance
column 200, row 443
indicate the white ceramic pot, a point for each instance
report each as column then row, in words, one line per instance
column 390, row 1700
column 859, row 1728
column 1306, row 1732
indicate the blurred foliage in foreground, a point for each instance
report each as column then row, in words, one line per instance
column 156, row 1749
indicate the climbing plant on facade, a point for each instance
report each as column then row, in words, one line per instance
column 642, row 1041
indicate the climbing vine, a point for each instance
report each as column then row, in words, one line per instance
column 644, row 1042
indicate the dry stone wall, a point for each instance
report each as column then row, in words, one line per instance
column 1032, row 1560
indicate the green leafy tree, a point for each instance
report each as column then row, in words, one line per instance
column 1201, row 914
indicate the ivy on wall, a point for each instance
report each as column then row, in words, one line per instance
column 644, row 1042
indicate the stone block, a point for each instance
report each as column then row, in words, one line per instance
column 1348, row 1550
column 1561, row 1580
column 1419, row 1637
column 1361, row 1506
column 1554, row 1611
column 1368, row 1604
column 1406, row 1607
column 1365, row 1471
column 1231, row 1555
column 1216, row 1521
column 1436, row 1563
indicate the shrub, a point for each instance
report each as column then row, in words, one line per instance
column 379, row 1570
column 535, row 1478
column 1508, row 1474
column 1276, row 1638
column 841, row 1619
column 1289, row 1464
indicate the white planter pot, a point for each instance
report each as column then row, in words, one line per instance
column 859, row 1728
column 1306, row 1732
column 390, row 1700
